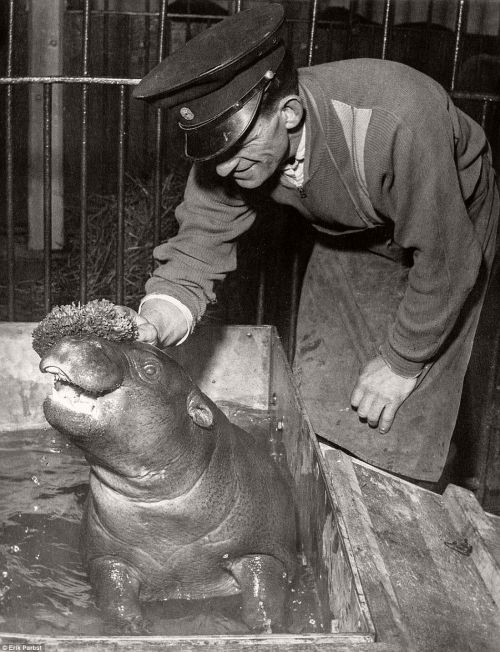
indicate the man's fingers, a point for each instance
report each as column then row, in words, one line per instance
column 147, row 333
column 379, row 392
column 387, row 418
column 365, row 406
column 374, row 409
column 374, row 413
column 125, row 311
column 357, row 396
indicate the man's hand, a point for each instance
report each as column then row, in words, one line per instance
column 160, row 322
column 379, row 392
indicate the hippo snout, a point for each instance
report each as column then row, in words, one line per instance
column 92, row 363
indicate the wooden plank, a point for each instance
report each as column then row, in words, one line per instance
column 377, row 585
column 474, row 526
column 229, row 363
column 46, row 19
column 442, row 598
column 275, row 643
column 495, row 535
column 323, row 536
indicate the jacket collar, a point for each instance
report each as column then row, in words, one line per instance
column 330, row 129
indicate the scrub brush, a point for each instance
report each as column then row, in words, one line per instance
column 98, row 317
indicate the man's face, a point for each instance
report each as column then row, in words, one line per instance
column 259, row 153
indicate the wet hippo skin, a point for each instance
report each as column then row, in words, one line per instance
column 182, row 503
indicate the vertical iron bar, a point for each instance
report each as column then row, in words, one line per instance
column 10, row 174
column 188, row 21
column 459, row 27
column 145, row 70
column 129, row 44
column 331, row 33
column 385, row 38
column 261, row 293
column 294, row 308
column 430, row 11
column 352, row 12
column 120, row 232
column 84, row 154
column 312, row 32
column 47, row 194
column 237, row 6
column 428, row 26
column 484, row 113
column 105, row 38
column 159, row 132
column 105, row 122
column 295, row 288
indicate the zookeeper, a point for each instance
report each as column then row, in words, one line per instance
column 352, row 145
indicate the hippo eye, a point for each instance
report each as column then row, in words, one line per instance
column 150, row 370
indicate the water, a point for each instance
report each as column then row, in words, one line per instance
column 43, row 586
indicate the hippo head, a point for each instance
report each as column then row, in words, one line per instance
column 128, row 405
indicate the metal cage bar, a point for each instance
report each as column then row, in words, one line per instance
column 120, row 218
column 47, row 195
column 312, row 31
column 291, row 322
column 484, row 113
column 386, row 28
column 61, row 79
column 84, row 154
column 162, row 28
column 87, row 81
column 145, row 70
column 10, row 173
column 459, row 29
column 294, row 309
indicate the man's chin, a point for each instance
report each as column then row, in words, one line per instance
column 249, row 183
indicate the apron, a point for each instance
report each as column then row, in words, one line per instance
column 329, row 350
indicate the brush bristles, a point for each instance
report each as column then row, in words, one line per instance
column 99, row 317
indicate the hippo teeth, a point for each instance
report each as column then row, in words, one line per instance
column 73, row 397
column 62, row 381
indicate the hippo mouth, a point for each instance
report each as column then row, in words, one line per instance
column 68, row 394
column 84, row 370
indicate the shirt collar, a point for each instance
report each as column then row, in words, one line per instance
column 300, row 154
column 301, row 148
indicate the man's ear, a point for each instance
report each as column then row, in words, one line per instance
column 199, row 410
column 292, row 110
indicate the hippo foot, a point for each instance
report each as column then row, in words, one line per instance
column 263, row 583
column 117, row 594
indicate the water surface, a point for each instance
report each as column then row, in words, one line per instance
column 43, row 586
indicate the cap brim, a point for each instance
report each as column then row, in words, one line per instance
column 211, row 140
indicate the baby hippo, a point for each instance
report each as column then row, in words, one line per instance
column 182, row 503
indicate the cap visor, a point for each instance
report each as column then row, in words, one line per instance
column 212, row 139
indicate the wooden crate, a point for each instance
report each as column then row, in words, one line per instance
column 388, row 556
column 245, row 365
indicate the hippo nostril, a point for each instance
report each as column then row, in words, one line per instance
column 56, row 371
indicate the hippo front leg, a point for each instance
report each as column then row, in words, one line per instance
column 263, row 584
column 117, row 594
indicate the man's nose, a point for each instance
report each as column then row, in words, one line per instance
column 225, row 168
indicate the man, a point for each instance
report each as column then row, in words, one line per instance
column 353, row 146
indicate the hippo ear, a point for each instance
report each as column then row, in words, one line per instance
column 199, row 410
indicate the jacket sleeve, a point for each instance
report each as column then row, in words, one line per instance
column 210, row 218
column 413, row 180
